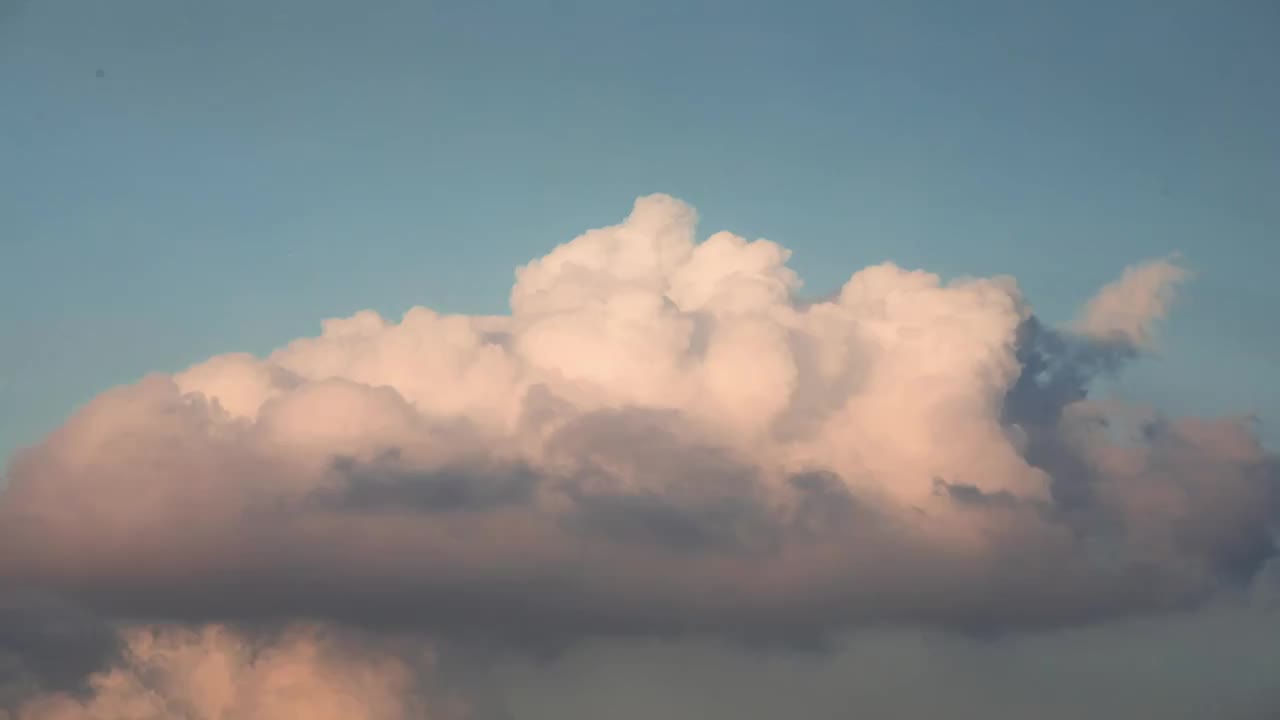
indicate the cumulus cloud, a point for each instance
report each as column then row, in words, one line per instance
column 658, row 440
column 1126, row 310
column 216, row 673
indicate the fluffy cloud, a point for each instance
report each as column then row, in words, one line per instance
column 216, row 673
column 658, row 440
column 1126, row 310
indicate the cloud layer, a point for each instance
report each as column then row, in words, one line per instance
column 1214, row 664
column 660, row 439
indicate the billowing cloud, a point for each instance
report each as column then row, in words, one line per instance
column 658, row 440
column 217, row 673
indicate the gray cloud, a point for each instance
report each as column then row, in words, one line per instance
column 1057, row 369
column 1214, row 663
column 386, row 484
column 48, row 645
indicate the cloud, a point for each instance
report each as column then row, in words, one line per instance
column 1214, row 663
column 658, row 440
column 214, row 672
column 48, row 645
column 1126, row 310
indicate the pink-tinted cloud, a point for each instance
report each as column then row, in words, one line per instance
column 1126, row 310
column 657, row 440
column 216, row 673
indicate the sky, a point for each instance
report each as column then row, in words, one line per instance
column 241, row 170
column 185, row 181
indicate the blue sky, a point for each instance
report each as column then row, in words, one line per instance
column 240, row 170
